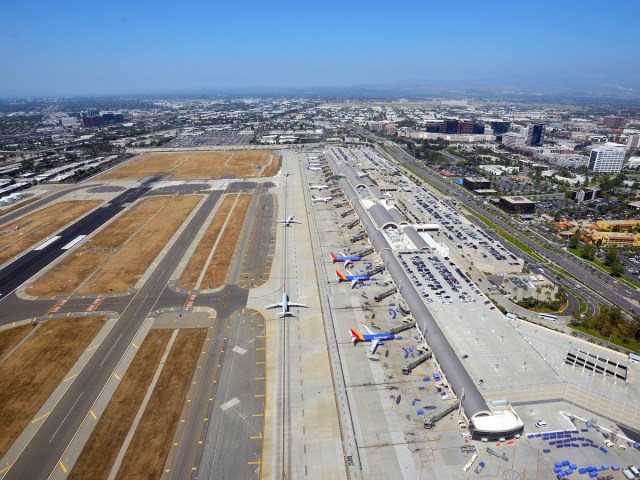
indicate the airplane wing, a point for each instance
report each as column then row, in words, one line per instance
column 374, row 345
column 293, row 304
column 354, row 282
column 274, row 305
column 367, row 328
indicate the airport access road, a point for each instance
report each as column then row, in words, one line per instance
column 41, row 454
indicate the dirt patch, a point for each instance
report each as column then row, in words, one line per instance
column 18, row 205
column 198, row 260
column 191, row 165
column 271, row 169
column 33, row 372
column 217, row 268
column 37, row 226
column 150, row 445
column 101, row 449
column 120, row 253
column 10, row 338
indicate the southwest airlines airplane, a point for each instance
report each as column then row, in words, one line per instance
column 346, row 259
column 375, row 338
column 350, row 277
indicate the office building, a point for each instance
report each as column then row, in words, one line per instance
column 513, row 140
column 455, row 127
column 499, row 127
column 613, row 122
column 535, row 135
column 585, row 194
column 606, row 159
column 634, row 141
column 519, row 205
column 476, row 183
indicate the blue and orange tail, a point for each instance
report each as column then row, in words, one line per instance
column 341, row 277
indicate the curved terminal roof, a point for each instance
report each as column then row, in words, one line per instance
column 472, row 401
column 397, row 216
column 416, row 238
column 375, row 191
column 497, row 422
column 381, row 216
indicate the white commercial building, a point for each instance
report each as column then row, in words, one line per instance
column 606, row 159
column 513, row 140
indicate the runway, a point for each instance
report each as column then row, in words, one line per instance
column 41, row 454
column 226, row 373
column 29, row 264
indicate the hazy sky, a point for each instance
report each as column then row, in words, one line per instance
column 139, row 46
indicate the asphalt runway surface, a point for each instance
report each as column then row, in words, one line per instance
column 43, row 451
column 41, row 454
column 26, row 266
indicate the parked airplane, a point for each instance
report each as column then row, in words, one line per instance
column 346, row 259
column 350, row 277
column 327, row 199
column 317, row 169
column 285, row 173
column 285, row 304
column 288, row 221
column 318, row 186
column 375, row 338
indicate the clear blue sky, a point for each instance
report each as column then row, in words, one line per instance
column 137, row 46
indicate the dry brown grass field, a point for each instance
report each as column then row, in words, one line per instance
column 150, row 445
column 196, row 165
column 217, row 268
column 33, row 372
column 120, row 253
column 123, row 270
column 198, row 260
column 101, row 449
column 37, row 226
column 10, row 338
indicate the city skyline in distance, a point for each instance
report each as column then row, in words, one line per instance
column 87, row 48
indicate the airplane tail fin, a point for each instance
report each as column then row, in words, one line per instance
column 341, row 277
column 333, row 257
column 355, row 336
